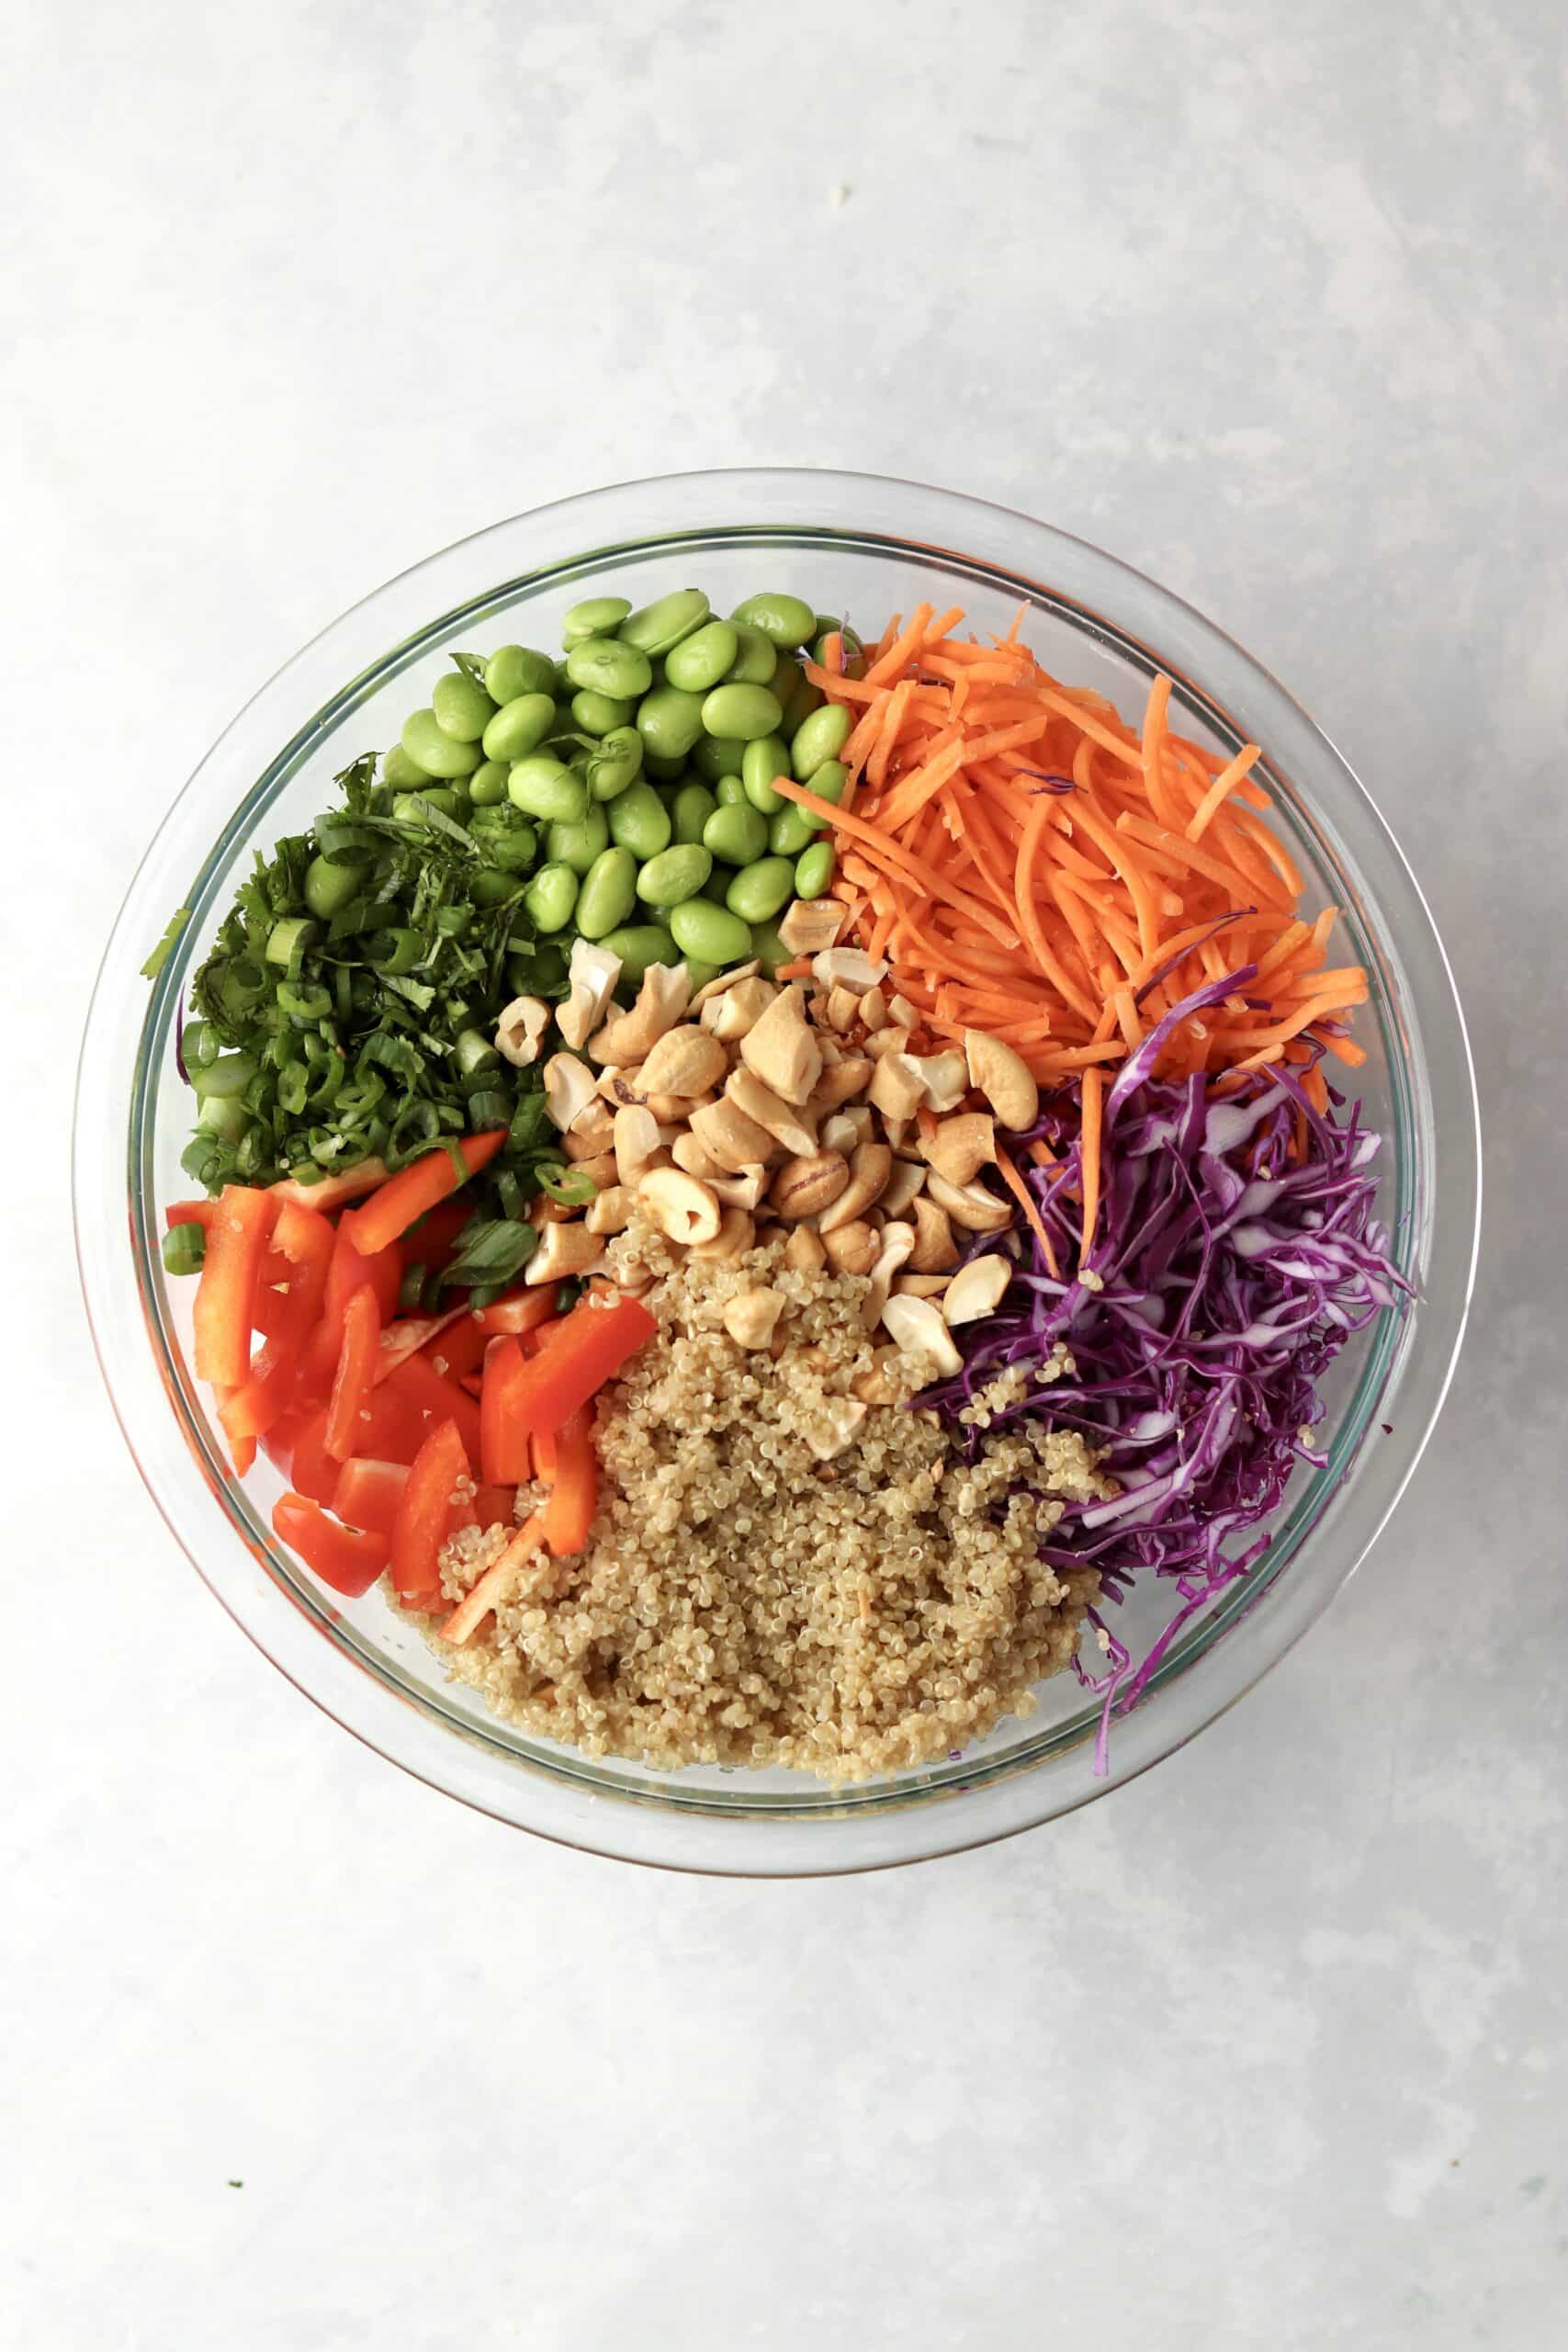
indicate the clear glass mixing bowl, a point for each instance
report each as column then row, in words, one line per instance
column 864, row 547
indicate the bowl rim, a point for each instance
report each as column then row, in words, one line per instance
column 996, row 1804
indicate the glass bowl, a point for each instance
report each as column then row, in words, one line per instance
column 863, row 547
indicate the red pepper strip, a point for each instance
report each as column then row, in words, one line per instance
column 423, row 1509
column 332, row 1191
column 390, row 1428
column 459, row 1349
column 414, row 1189
column 470, row 1384
column 348, row 1558
column 242, row 1450
column 546, row 1453
column 189, row 1213
column 271, row 1315
column 279, row 1442
column 519, row 1311
column 348, row 1271
column 226, row 1293
column 495, row 1506
column 312, row 1470
column 303, row 1243
column 417, row 1382
column 368, row 1492
column 406, row 1336
column 476, row 1606
column 568, row 1514
column 583, row 1351
column 355, row 1372
column 504, row 1439
column 264, row 1397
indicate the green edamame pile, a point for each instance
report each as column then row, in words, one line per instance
column 625, row 793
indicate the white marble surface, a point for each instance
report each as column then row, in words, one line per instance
column 1268, row 2050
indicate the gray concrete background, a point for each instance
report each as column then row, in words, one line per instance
column 1267, row 2050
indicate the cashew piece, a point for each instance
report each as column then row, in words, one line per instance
column 1004, row 1077
column 521, row 1029
column 803, row 1251
column 904, row 1187
column 962, row 1147
column 742, row 1192
column 782, row 1050
column 787, row 1125
column 946, row 1078
column 592, row 973
column 637, row 1140
column 684, row 1209
column 661, row 1000
column 848, row 967
column 976, row 1290
column 730, row 1015
column 811, row 924
column 752, row 1318
column 853, row 1247
column 917, row 1327
column 970, row 1206
column 564, row 1249
column 685, row 1061
column 897, row 1241
column 935, row 1249
column 870, row 1167
column 611, row 1213
column 807, row 1185
column 735, row 1234
column 569, row 1087
column 726, row 1135
column 898, row 1086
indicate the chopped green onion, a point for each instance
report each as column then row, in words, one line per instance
column 287, row 941
column 474, row 1052
column 228, row 1075
column 183, row 1249
column 395, row 951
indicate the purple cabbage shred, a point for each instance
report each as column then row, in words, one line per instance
column 1230, row 1272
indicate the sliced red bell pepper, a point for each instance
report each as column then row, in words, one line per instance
column 311, row 1469
column 519, row 1311
column 189, row 1213
column 424, row 1509
column 349, row 1271
column 332, row 1191
column 459, row 1349
column 417, row 1384
column 225, row 1292
column 391, row 1429
column 470, row 1384
column 277, row 1443
column 304, row 1242
column 355, row 1372
column 503, row 1435
column 581, row 1352
column 348, row 1558
column 264, row 1396
column 568, row 1514
column 416, row 1188
column 406, row 1336
column 368, row 1493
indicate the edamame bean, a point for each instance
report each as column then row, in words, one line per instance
column 827, row 783
column 399, row 770
column 598, row 713
column 615, row 763
column 543, row 967
column 853, row 650
column 718, row 756
column 768, row 948
column 819, row 738
column 640, row 821
column 786, row 679
column 765, row 758
column 489, row 885
column 487, row 786
column 698, row 928
column 781, row 618
column 673, row 875
column 743, row 711
column 462, row 710
column 701, row 660
column 759, row 892
column 657, row 626
column 541, row 787
column 737, row 833
column 551, row 896
column 595, row 616
column 670, row 721
column 663, row 769
column 730, row 793
column 693, row 806
column 790, row 832
column 609, row 667
column 329, row 887
column 638, row 945
column 514, row 671
column 409, row 807
column 519, row 727
column 815, row 870
column 608, row 893
column 578, row 845
column 803, row 701
column 756, row 657
column 505, row 837
column 434, row 752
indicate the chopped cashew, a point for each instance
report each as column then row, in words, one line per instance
column 975, row 1289
column 735, row 1234
column 631, row 1036
column 803, row 1251
column 1004, row 1077
column 874, row 1009
column 843, row 1010
column 970, row 1206
column 752, row 1318
column 935, row 1249
column 611, row 1213
column 915, row 1325
column 897, row 1088
column 962, row 1146
column 563, row 1250
column 848, row 967
column 728, row 1015
column 684, row 1209
column 742, row 1192
column 720, row 982
column 685, row 1061
column 787, row 1125
column 811, row 924
column 829, row 1427
column 946, row 1078
column 687, row 1152
column 520, row 1031
column 904, row 1186
column 593, row 1132
column 853, row 1247
column 728, row 1136
column 840, row 1081
column 637, row 1140
column 569, row 1087
column 601, row 1170
column 896, row 1242
column 871, row 1164
column 592, row 973
column 782, row 1050
column 840, row 1133
column 902, row 1012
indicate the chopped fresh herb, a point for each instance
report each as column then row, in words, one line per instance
column 160, row 955
column 491, row 1249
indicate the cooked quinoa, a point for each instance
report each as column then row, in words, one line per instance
column 743, row 1599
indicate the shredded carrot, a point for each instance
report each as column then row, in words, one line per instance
column 1088, row 1157
column 1015, row 1184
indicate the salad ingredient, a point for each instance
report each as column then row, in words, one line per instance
column 355, row 1372
column 348, row 1558
column 423, row 1514
column 237, row 1235
column 405, row 1197
column 576, row 1356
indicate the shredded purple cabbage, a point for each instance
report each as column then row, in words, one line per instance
column 1230, row 1274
